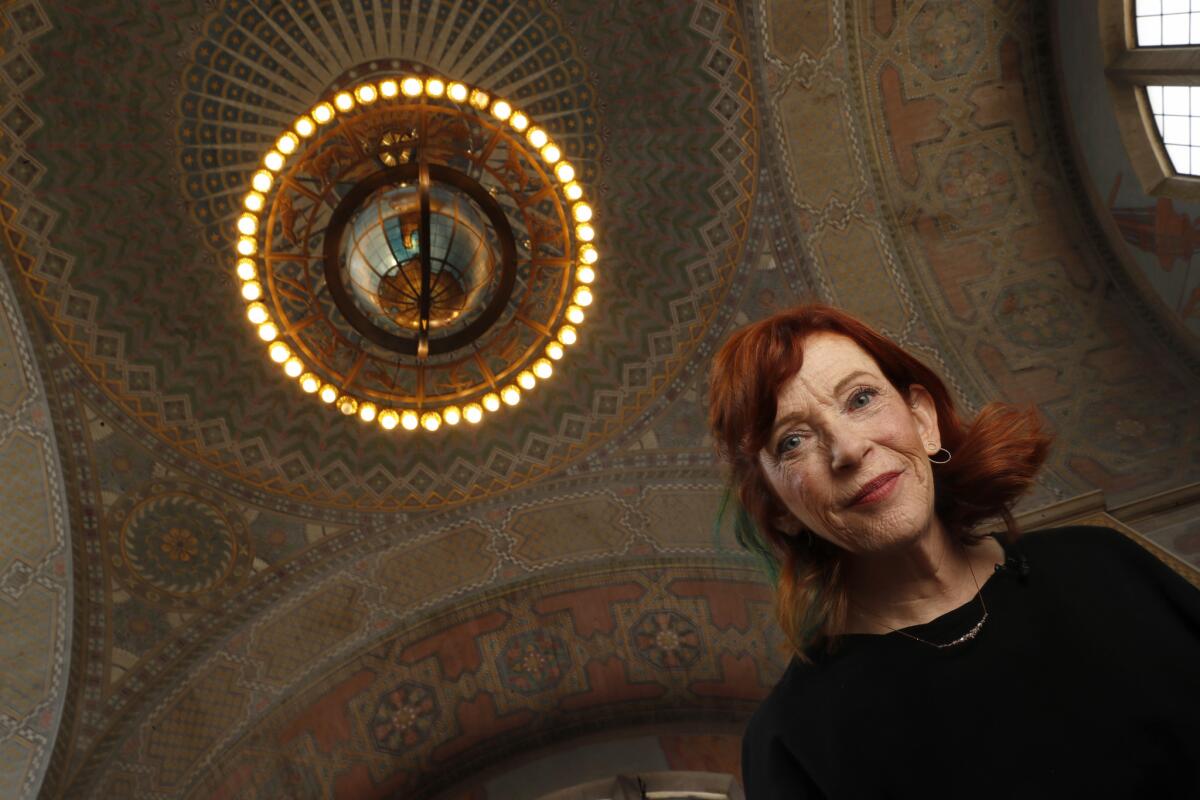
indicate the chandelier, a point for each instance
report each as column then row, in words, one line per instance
column 416, row 252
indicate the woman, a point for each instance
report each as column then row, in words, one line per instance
column 930, row 660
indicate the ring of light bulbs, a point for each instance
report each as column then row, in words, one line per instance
column 412, row 87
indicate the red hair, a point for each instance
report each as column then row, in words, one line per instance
column 995, row 458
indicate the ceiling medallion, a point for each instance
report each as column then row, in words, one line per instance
column 416, row 252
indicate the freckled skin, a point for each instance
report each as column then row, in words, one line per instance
column 836, row 431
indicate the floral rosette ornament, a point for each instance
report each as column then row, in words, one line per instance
column 416, row 252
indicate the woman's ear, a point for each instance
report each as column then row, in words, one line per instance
column 924, row 412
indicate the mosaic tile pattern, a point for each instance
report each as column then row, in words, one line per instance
column 415, row 709
column 349, row 608
column 906, row 171
column 201, row 396
column 172, row 544
column 1006, row 244
column 940, row 212
column 310, row 630
column 35, row 565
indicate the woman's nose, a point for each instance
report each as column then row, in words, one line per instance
column 847, row 447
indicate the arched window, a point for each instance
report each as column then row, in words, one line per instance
column 1152, row 53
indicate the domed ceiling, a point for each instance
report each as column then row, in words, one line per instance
column 272, row 598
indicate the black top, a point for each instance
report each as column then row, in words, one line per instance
column 1084, row 682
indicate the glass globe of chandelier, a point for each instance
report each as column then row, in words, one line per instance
column 382, row 257
column 416, row 252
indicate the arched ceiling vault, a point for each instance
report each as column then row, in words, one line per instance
column 36, row 603
column 360, row 609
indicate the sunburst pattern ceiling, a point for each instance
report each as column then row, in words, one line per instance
column 251, row 70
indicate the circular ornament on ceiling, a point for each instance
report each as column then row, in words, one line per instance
column 415, row 251
column 171, row 543
column 258, row 64
column 676, row 208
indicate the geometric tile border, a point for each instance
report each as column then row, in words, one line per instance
column 35, row 563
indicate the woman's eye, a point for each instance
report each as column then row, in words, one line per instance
column 862, row 398
column 789, row 442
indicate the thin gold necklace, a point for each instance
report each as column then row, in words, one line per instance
column 966, row 637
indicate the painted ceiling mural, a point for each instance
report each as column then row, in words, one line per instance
column 272, row 598
column 1157, row 236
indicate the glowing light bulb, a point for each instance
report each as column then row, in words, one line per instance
column 251, row 290
column 435, row 87
column 366, row 411
column 574, row 315
column 543, row 368
column 511, row 395
column 409, row 420
column 585, row 274
column 310, row 383
column 491, row 401
column 389, row 89
column 573, row 191
column 268, row 332
column 564, row 172
column 273, row 161
column 254, row 201
column 480, row 99
column 411, row 87
column 343, row 101
column 588, row 254
column 287, row 143
column 329, row 393
column 246, row 269
column 431, row 421
column 537, row 137
column 279, row 352
column 582, row 296
column 247, row 224
column 261, row 181
column 567, row 335
column 451, row 415
column 247, row 246
column 366, row 94
column 585, row 232
column 551, row 153
column 305, row 127
column 526, row 380
column 501, row 110
column 347, row 404
column 322, row 113
column 388, row 418
column 519, row 121
column 457, row 92
column 473, row 413
column 554, row 350
column 293, row 367
column 582, row 212
column 257, row 313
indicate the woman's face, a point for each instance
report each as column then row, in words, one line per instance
column 848, row 453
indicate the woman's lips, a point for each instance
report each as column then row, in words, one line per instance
column 877, row 489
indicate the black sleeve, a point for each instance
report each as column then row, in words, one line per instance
column 770, row 772
column 1176, row 592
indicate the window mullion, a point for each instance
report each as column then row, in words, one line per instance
column 1163, row 66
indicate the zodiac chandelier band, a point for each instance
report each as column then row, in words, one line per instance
column 416, row 252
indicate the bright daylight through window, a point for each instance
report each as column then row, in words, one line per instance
column 1173, row 23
